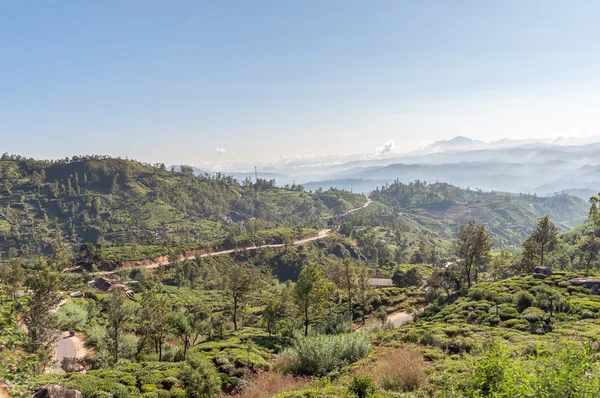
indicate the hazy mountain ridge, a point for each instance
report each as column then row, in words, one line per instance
column 519, row 166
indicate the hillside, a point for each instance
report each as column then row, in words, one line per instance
column 115, row 202
column 443, row 208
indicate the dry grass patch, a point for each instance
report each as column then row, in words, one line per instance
column 269, row 384
column 398, row 369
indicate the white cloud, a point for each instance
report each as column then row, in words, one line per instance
column 388, row 147
column 220, row 150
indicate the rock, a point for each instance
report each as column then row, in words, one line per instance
column 540, row 276
column 523, row 275
column 566, row 294
column 595, row 290
column 55, row 391
column 585, row 282
column 543, row 270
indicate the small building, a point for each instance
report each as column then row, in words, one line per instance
column 382, row 282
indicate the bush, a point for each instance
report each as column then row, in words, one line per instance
column 168, row 382
column 362, row 386
column 267, row 384
column 476, row 294
column 320, row 355
column 178, row 393
column 533, row 314
column 399, row 370
column 337, row 324
column 148, row 388
column 71, row 315
column 506, row 313
column 523, row 300
column 200, row 377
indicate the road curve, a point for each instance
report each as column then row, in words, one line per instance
column 65, row 347
column 320, row 235
column 400, row 318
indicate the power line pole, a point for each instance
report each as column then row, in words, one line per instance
column 255, row 173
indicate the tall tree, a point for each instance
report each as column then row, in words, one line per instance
column 589, row 251
column 39, row 315
column 311, row 293
column 240, row 283
column 544, row 236
column 344, row 277
column 473, row 247
column 119, row 314
column 153, row 319
column 364, row 291
column 187, row 322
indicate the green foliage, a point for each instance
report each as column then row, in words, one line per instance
column 322, row 354
column 362, row 386
column 72, row 315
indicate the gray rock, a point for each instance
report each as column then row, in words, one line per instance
column 543, row 270
column 55, row 391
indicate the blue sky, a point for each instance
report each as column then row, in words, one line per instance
column 174, row 81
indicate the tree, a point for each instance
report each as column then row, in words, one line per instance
column 547, row 298
column 364, row 291
column 39, row 315
column 153, row 319
column 240, row 282
column 274, row 312
column 530, row 256
column 473, row 247
column 589, row 251
column 119, row 314
column 187, row 322
column 544, row 235
column 311, row 293
column 407, row 278
column 344, row 277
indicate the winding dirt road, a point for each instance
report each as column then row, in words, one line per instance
column 320, row 235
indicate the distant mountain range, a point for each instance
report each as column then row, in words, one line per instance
column 543, row 167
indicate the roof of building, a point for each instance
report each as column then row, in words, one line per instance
column 382, row 282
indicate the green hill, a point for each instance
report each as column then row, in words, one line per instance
column 443, row 208
column 116, row 202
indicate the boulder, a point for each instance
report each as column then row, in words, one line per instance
column 540, row 276
column 585, row 282
column 55, row 391
column 543, row 270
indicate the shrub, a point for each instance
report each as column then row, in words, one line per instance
column 506, row 313
column 533, row 314
column 337, row 324
column 362, row 386
column 271, row 384
column 128, row 379
column 168, row 382
column 148, row 388
column 71, row 315
column 519, row 324
column 476, row 294
column 200, row 377
column 399, row 370
column 523, row 300
column 178, row 392
column 320, row 355
column 426, row 338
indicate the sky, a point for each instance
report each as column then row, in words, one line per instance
column 221, row 82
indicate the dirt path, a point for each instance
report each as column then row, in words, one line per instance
column 320, row 235
column 399, row 318
column 3, row 391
